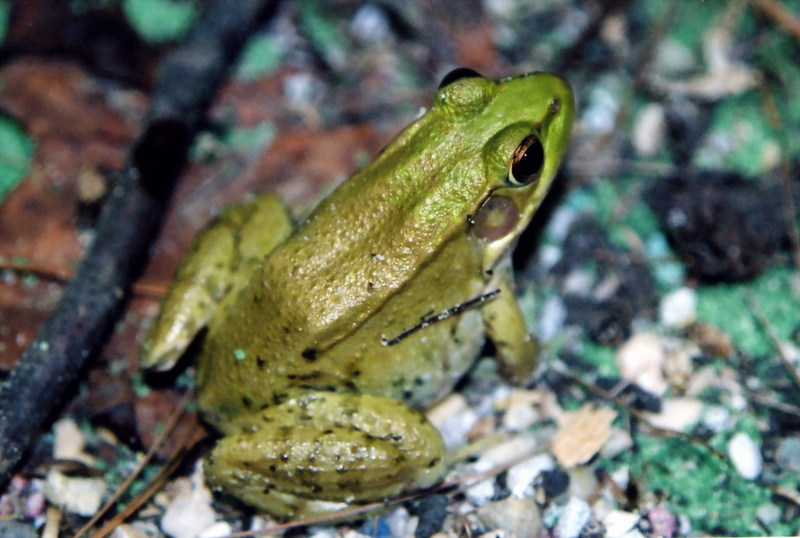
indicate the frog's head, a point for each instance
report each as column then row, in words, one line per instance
column 522, row 125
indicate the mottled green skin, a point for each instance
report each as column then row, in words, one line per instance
column 316, row 411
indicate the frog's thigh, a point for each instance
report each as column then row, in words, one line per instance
column 221, row 259
column 517, row 350
column 290, row 459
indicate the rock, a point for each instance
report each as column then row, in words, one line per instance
column 745, row 455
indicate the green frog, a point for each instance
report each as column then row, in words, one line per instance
column 325, row 342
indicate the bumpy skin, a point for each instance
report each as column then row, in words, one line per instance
column 316, row 410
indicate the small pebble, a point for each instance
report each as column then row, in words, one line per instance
column 574, row 517
column 516, row 517
column 768, row 514
column 788, row 454
column 217, row 530
column 481, row 493
column 663, row 522
column 716, row 418
column 618, row 523
column 679, row 308
column 189, row 513
column 641, row 360
column 677, row 414
column 78, row 495
column 555, row 483
column 649, row 130
column 454, row 419
column 520, row 477
column 745, row 455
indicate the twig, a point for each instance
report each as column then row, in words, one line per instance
column 781, row 15
column 187, row 82
column 765, row 325
column 169, row 427
column 152, row 488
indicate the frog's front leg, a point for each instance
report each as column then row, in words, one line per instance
column 318, row 450
column 219, row 263
column 517, row 350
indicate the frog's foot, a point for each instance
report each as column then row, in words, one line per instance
column 319, row 450
column 218, row 264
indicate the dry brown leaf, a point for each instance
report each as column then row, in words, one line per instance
column 582, row 434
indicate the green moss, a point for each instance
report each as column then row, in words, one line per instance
column 699, row 485
column 727, row 306
column 600, row 358
column 742, row 127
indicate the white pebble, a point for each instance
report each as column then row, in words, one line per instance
column 573, row 518
column 78, row 495
column 481, row 493
column 678, row 308
column 745, row 455
column 618, row 523
column 522, row 475
column 649, row 130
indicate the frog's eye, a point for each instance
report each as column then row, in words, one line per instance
column 527, row 162
column 457, row 74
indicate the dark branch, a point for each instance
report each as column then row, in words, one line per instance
column 188, row 80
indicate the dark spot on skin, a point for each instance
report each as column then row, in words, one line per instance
column 260, row 362
column 418, row 381
column 356, row 373
column 490, row 272
column 341, row 469
column 316, row 488
column 291, row 377
column 266, row 419
column 267, row 489
column 327, row 432
column 284, row 457
column 256, row 299
column 398, row 382
column 273, row 468
column 312, row 458
column 287, row 330
column 400, row 459
column 555, row 106
column 433, row 463
column 278, row 397
column 247, row 402
column 309, row 354
column 407, row 394
column 370, row 287
column 350, row 385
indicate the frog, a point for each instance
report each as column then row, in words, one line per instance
column 324, row 343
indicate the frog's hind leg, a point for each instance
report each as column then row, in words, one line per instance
column 218, row 264
column 319, row 450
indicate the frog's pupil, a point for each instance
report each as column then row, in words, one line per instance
column 457, row 74
column 528, row 161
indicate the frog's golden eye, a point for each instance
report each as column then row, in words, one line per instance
column 527, row 162
column 457, row 74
